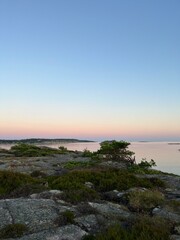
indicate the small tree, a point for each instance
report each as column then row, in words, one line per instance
column 146, row 165
column 117, row 151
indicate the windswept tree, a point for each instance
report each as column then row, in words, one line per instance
column 117, row 151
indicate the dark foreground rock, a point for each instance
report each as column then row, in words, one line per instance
column 69, row 232
column 39, row 216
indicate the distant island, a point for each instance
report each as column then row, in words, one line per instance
column 42, row 140
column 175, row 143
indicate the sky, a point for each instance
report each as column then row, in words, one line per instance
column 90, row 69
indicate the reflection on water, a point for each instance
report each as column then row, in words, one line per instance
column 167, row 157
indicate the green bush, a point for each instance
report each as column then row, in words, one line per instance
column 38, row 174
column 115, row 232
column 28, row 150
column 89, row 237
column 80, row 195
column 13, row 231
column 145, row 228
column 11, row 181
column 145, row 164
column 65, row 218
column 151, row 228
column 63, row 149
column 144, row 167
column 173, row 205
column 26, row 190
column 145, row 200
column 87, row 153
column 74, row 164
column 104, row 180
column 116, row 151
column 73, row 183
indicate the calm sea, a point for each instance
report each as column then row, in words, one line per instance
column 166, row 156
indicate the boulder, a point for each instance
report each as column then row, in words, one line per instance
column 36, row 214
column 69, row 232
column 89, row 223
column 109, row 209
column 52, row 194
column 114, row 196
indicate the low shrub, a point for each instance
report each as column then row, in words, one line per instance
column 63, row 149
column 86, row 209
column 115, row 232
column 89, row 237
column 26, row 190
column 38, row 174
column 103, row 180
column 65, row 218
column 13, row 231
column 28, row 150
column 80, row 195
column 74, row 164
column 173, row 205
column 11, row 181
column 87, row 153
column 157, row 182
column 145, row 228
column 73, row 183
column 151, row 228
column 144, row 167
column 141, row 201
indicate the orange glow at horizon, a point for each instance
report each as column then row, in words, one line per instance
column 43, row 129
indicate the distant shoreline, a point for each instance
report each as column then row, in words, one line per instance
column 43, row 140
column 175, row 143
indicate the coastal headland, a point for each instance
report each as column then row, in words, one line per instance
column 48, row 193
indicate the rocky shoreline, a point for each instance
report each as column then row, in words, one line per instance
column 50, row 213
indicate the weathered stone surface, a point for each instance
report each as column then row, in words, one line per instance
column 172, row 182
column 114, row 195
column 69, row 232
column 172, row 194
column 50, row 165
column 164, row 213
column 5, row 216
column 111, row 209
column 36, row 214
column 118, row 165
column 89, row 223
column 52, row 194
column 89, row 184
column 175, row 237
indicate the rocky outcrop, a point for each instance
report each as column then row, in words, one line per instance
column 39, row 215
column 167, row 214
column 109, row 209
column 50, row 165
column 69, row 232
column 43, row 212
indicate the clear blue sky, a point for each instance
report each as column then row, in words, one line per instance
column 90, row 69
